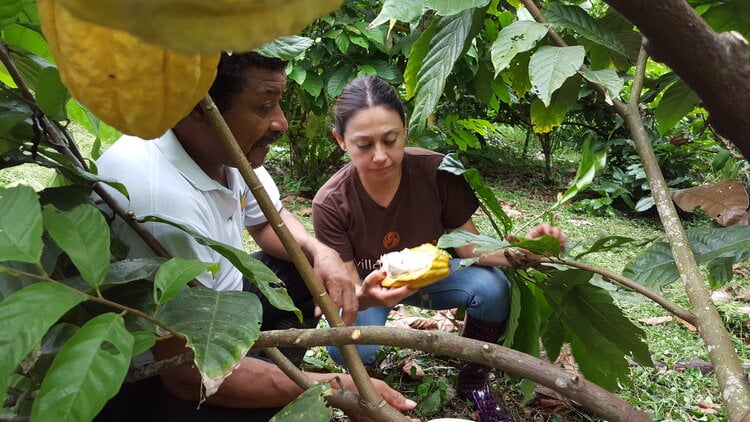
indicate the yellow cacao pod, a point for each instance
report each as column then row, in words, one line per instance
column 204, row 26
column 416, row 267
column 138, row 88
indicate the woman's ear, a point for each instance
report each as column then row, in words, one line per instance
column 339, row 139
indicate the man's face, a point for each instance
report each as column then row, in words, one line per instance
column 255, row 116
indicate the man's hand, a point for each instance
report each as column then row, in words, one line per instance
column 371, row 293
column 393, row 397
column 338, row 282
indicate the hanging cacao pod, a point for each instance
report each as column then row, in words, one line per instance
column 204, row 26
column 416, row 267
column 138, row 88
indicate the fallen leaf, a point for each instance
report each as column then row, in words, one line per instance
column 411, row 368
column 687, row 325
column 721, row 295
column 656, row 320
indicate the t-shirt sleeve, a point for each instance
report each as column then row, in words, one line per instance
column 253, row 213
column 329, row 224
column 459, row 200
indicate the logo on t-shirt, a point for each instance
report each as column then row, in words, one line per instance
column 391, row 240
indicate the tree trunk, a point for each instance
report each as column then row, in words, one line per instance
column 715, row 66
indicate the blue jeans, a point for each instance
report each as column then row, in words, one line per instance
column 483, row 291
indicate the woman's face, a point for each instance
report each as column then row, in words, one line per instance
column 374, row 137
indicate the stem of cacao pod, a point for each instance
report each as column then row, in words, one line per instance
column 353, row 361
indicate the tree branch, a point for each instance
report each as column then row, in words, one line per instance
column 353, row 361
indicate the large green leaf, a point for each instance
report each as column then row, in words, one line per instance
column 550, row 67
column 91, row 123
column 83, row 234
column 12, row 111
column 409, row 10
column 608, row 78
column 20, row 225
column 445, row 47
column 220, row 327
column 417, row 55
column 254, row 270
column 545, row 118
column 87, row 371
column 9, row 9
column 175, row 274
column 655, row 266
column 678, row 100
column 515, row 38
column 576, row 19
column 460, row 238
column 26, row 315
column 286, row 48
column 337, row 80
column 591, row 319
column 310, row 406
column 43, row 78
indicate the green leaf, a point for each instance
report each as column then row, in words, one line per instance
column 608, row 78
column 26, row 315
column 313, row 85
column 545, row 245
column 20, row 225
column 220, row 328
column 308, row 406
column 127, row 270
column 445, row 47
column 545, row 118
column 24, row 38
column 524, row 321
column 576, row 19
column 519, row 74
column 254, row 270
column 678, row 100
column 338, row 80
column 87, row 371
column 91, row 123
column 51, row 95
column 655, row 266
column 460, row 238
column 174, row 274
column 550, row 67
column 342, row 42
column 83, row 234
column 720, row 272
column 417, row 55
column 286, row 47
column 9, row 9
column 591, row 162
column 142, row 341
column 590, row 316
column 604, row 244
column 409, row 10
column 731, row 15
column 515, row 38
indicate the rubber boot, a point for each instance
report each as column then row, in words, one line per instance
column 472, row 379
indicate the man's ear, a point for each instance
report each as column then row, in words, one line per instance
column 339, row 139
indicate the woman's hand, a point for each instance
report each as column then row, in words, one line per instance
column 371, row 293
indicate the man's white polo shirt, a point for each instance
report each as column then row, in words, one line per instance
column 163, row 180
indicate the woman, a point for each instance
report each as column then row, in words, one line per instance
column 389, row 198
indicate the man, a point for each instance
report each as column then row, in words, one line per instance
column 187, row 177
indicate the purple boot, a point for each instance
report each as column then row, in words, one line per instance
column 472, row 379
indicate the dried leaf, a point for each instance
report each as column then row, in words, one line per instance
column 656, row 320
column 687, row 325
column 726, row 202
column 721, row 295
column 411, row 368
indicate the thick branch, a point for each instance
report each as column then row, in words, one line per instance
column 353, row 361
column 715, row 66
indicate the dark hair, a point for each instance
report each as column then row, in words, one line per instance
column 365, row 92
column 232, row 73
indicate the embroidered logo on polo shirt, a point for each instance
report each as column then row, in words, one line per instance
column 391, row 240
